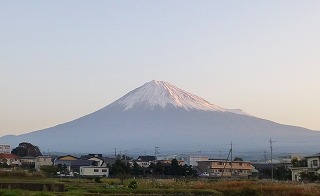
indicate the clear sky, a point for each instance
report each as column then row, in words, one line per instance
column 61, row 60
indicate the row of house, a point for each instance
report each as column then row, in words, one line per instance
column 96, row 164
column 91, row 165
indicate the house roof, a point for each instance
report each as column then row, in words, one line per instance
column 81, row 162
column 67, row 158
column 27, row 157
column 89, row 156
column 315, row 155
column 8, row 156
column 146, row 158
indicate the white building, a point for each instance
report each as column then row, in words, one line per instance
column 193, row 159
column 41, row 161
column 94, row 171
column 5, row 149
column 313, row 166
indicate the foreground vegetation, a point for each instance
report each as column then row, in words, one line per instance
column 182, row 186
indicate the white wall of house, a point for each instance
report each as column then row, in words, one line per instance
column 313, row 167
column 41, row 161
column 193, row 159
column 94, row 171
column 12, row 161
column 5, row 149
column 144, row 163
column 313, row 162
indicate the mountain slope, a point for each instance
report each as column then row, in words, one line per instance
column 160, row 114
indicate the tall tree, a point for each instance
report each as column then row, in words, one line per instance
column 26, row 149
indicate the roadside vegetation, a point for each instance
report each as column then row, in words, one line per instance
column 173, row 186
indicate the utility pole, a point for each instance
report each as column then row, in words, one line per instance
column 125, row 155
column 271, row 158
column 156, row 151
column 115, row 153
column 231, row 158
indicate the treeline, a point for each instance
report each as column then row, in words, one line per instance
column 120, row 168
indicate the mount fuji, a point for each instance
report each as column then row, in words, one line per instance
column 160, row 114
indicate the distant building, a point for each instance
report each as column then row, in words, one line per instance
column 27, row 160
column 10, row 159
column 72, row 163
column 194, row 159
column 168, row 162
column 94, row 171
column 313, row 166
column 224, row 168
column 42, row 161
column 5, row 149
column 145, row 161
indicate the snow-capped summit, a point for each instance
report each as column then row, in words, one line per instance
column 160, row 93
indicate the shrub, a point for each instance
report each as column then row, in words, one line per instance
column 97, row 180
column 133, row 185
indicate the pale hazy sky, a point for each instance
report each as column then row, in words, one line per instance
column 61, row 60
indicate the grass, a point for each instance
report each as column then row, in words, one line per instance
column 170, row 187
column 193, row 187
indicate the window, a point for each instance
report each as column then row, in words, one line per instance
column 95, row 170
column 315, row 162
column 104, row 170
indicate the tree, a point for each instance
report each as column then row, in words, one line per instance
column 49, row 170
column 298, row 163
column 175, row 167
column 26, row 149
column 282, row 173
column 136, row 169
column 309, row 176
column 160, row 168
column 237, row 159
column 120, row 170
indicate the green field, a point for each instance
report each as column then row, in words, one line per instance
column 167, row 187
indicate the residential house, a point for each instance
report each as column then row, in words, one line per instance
column 5, row 149
column 72, row 163
column 64, row 159
column 313, row 166
column 145, row 161
column 168, row 162
column 225, row 168
column 94, row 171
column 193, row 159
column 42, row 161
column 88, row 156
column 10, row 159
column 27, row 161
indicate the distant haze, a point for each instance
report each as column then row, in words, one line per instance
column 61, row 60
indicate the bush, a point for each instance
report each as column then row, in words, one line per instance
column 97, row 180
column 133, row 185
